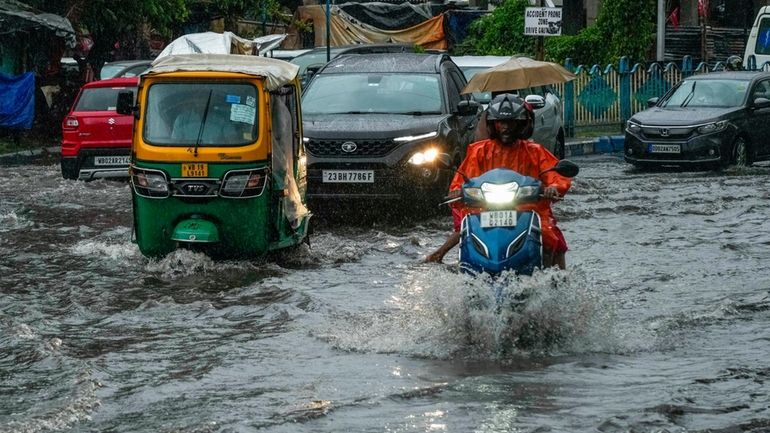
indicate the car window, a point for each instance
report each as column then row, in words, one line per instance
column 707, row 93
column 100, row 98
column 761, row 90
column 134, row 71
column 763, row 37
column 455, row 85
column 373, row 93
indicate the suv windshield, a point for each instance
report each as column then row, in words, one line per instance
column 373, row 93
column 206, row 114
column 707, row 93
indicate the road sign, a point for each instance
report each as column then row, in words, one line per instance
column 542, row 22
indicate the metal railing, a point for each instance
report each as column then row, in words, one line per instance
column 610, row 96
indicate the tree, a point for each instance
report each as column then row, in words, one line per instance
column 623, row 28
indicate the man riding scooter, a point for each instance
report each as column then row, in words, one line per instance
column 510, row 121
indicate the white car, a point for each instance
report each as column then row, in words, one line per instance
column 549, row 121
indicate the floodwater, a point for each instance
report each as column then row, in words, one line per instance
column 660, row 323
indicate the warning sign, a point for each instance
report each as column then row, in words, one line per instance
column 542, row 22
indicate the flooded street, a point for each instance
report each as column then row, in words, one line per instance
column 661, row 319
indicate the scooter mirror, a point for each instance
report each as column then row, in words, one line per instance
column 566, row 168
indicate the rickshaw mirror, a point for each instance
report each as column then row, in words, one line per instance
column 125, row 103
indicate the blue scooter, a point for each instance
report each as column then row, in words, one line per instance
column 502, row 237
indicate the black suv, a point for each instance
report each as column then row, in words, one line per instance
column 375, row 123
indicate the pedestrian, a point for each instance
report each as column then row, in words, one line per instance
column 510, row 123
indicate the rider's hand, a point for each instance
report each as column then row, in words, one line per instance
column 551, row 192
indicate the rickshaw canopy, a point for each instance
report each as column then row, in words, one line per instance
column 277, row 73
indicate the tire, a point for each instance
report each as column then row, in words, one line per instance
column 70, row 168
column 559, row 149
column 741, row 153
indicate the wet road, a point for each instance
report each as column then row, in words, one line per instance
column 663, row 318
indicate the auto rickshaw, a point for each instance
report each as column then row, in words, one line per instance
column 217, row 159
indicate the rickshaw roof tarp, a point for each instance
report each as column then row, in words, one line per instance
column 220, row 43
column 16, row 16
column 277, row 73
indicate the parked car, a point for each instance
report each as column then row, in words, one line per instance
column 96, row 140
column 124, row 68
column 714, row 119
column 549, row 117
column 374, row 125
column 314, row 59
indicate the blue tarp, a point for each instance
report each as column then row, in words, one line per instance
column 17, row 101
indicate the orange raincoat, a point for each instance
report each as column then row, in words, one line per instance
column 527, row 158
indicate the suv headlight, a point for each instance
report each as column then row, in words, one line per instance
column 712, row 127
column 424, row 156
column 415, row 137
column 633, row 127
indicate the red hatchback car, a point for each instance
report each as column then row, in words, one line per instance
column 96, row 140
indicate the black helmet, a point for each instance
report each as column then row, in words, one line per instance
column 734, row 63
column 508, row 106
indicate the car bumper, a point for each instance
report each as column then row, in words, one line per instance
column 700, row 149
column 97, row 164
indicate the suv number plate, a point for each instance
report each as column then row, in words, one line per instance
column 348, row 176
column 498, row 218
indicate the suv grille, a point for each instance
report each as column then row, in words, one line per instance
column 363, row 148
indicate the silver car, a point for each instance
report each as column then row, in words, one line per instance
column 549, row 120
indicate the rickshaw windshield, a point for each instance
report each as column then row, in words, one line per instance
column 203, row 114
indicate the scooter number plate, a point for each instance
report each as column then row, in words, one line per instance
column 195, row 169
column 498, row 218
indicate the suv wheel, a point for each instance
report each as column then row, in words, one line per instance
column 70, row 168
column 559, row 149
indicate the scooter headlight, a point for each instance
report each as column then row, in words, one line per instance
column 500, row 193
column 149, row 183
column 243, row 183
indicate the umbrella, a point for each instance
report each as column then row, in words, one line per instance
column 518, row 73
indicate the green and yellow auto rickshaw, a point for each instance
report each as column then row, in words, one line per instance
column 217, row 159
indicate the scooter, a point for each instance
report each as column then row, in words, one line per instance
column 504, row 236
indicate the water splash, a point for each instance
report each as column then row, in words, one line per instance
column 439, row 314
column 10, row 220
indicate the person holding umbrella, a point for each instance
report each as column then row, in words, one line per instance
column 510, row 120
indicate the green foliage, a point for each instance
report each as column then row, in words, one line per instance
column 623, row 28
column 500, row 33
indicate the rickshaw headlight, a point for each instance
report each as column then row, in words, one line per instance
column 149, row 183
column 243, row 183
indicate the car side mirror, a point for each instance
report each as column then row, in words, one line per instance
column 760, row 103
column 652, row 102
column 125, row 103
column 565, row 168
column 536, row 101
column 468, row 107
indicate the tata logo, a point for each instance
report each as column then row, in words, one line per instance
column 195, row 189
column 663, row 132
column 349, row 147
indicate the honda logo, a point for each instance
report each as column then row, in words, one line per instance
column 663, row 132
column 349, row 147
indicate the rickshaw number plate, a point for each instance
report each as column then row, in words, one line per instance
column 348, row 176
column 498, row 218
column 195, row 169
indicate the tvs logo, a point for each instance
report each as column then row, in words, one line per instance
column 349, row 147
column 663, row 132
column 195, row 189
